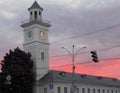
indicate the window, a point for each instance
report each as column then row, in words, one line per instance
column 45, row 90
column 111, row 91
column 77, row 90
column 65, row 89
column 42, row 55
column 59, row 89
column 35, row 13
column 88, row 90
column 30, row 34
column 31, row 13
column 103, row 91
column 83, row 90
column 39, row 13
column 98, row 90
column 93, row 90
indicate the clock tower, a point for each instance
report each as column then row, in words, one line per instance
column 36, row 39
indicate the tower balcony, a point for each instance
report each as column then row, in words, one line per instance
column 28, row 22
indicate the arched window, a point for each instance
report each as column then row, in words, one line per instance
column 42, row 56
column 88, row 90
column 39, row 13
column 35, row 14
column 93, row 90
column 83, row 90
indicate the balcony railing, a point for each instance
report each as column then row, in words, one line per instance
column 38, row 20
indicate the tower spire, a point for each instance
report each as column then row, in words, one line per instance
column 35, row 11
column 35, row 5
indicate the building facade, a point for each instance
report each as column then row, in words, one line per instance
column 36, row 42
column 61, row 82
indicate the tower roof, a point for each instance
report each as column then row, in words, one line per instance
column 35, row 5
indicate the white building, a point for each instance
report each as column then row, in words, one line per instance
column 61, row 82
column 36, row 42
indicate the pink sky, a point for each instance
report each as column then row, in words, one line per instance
column 103, row 68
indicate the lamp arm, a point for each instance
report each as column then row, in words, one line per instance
column 67, row 51
column 79, row 51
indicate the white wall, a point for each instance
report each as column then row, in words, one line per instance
column 80, row 87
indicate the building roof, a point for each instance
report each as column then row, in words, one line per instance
column 35, row 5
column 66, row 77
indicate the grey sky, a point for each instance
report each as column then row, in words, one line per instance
column 69, row 18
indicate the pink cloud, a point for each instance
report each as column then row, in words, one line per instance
column 109, row 68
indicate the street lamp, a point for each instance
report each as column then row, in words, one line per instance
column 73, row 55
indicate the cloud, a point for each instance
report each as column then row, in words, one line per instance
column 70, row 3
column 84, row 4
column 76, row 24
column 7, row 14
column 71, row 20
column 103, row 68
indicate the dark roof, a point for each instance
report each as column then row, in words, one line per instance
column 59, row 76
column 35, row 5
column 40, row 22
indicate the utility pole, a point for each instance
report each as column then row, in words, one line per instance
column 73, row 55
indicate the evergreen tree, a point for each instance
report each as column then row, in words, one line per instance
column 17, row 72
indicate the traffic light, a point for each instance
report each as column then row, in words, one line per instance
column 94, row 56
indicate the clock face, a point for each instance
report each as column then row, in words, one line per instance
column 42, row 34
column 30, row 34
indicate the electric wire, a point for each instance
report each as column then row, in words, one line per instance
column 70, row 64
column 105, row 49
column 82, row 63
column 116, row 58
column 86, row 34
column 107, row 28
column 78, row 63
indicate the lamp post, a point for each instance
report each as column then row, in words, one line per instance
column 73, row 55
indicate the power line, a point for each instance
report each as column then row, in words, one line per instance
column 105, row 49
column 109, row 48
column 107, row 28
column 86, row 34
column 88, row 52
column 61, row 66
column 111, row 59
column 78, row 63
column 66, row 55
column 71, row 64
